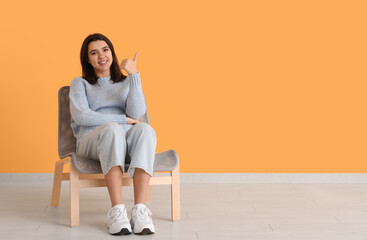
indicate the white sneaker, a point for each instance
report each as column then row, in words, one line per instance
column 141, row 220
column 118, row 223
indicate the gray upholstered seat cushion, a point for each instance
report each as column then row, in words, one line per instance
column 164, row 161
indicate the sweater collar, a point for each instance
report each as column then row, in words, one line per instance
column 103, row 80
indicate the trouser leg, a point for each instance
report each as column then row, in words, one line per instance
column 107, row 143
column 141, row 144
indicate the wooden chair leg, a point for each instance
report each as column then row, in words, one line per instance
column 55, row 199
column 175, row 195
column 74, row 196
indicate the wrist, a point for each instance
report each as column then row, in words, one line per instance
column 133, row 73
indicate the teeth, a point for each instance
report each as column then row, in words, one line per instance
column 103, row 62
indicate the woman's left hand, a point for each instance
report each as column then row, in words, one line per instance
column 130, row 65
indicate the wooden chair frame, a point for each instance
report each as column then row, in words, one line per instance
column 78, row 180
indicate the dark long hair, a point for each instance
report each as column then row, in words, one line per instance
column 87, row 68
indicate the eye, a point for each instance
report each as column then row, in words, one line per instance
column 93, row 53
column 106, row 49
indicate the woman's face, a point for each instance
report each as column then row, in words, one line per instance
column 100, row 57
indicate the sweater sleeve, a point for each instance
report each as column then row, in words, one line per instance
column 135, row 102
column 80, row 111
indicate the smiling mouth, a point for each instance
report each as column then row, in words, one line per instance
column 103, row 62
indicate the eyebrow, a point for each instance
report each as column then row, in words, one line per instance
column 96, row 49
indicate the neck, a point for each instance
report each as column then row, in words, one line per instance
column 103, row 74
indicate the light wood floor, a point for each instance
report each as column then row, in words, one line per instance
column 209, row 211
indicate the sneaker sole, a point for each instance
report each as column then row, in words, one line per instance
column 123, row 231
column 145, row 231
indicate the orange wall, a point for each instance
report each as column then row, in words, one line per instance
column 233, row 86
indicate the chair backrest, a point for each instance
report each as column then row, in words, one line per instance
column 67, row 141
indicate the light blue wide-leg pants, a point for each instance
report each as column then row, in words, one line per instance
column 109, row 144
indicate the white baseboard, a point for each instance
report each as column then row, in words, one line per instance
column 274, row 177
column 223, row 177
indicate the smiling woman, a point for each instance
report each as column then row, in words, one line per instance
column 104, row 107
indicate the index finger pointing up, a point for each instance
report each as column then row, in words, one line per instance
column 136, row 57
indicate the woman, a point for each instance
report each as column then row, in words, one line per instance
column 105, row 106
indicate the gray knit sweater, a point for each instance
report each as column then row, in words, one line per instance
column 94, row 105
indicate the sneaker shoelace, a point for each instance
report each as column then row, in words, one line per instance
column 117, row 214
column 144, row 214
